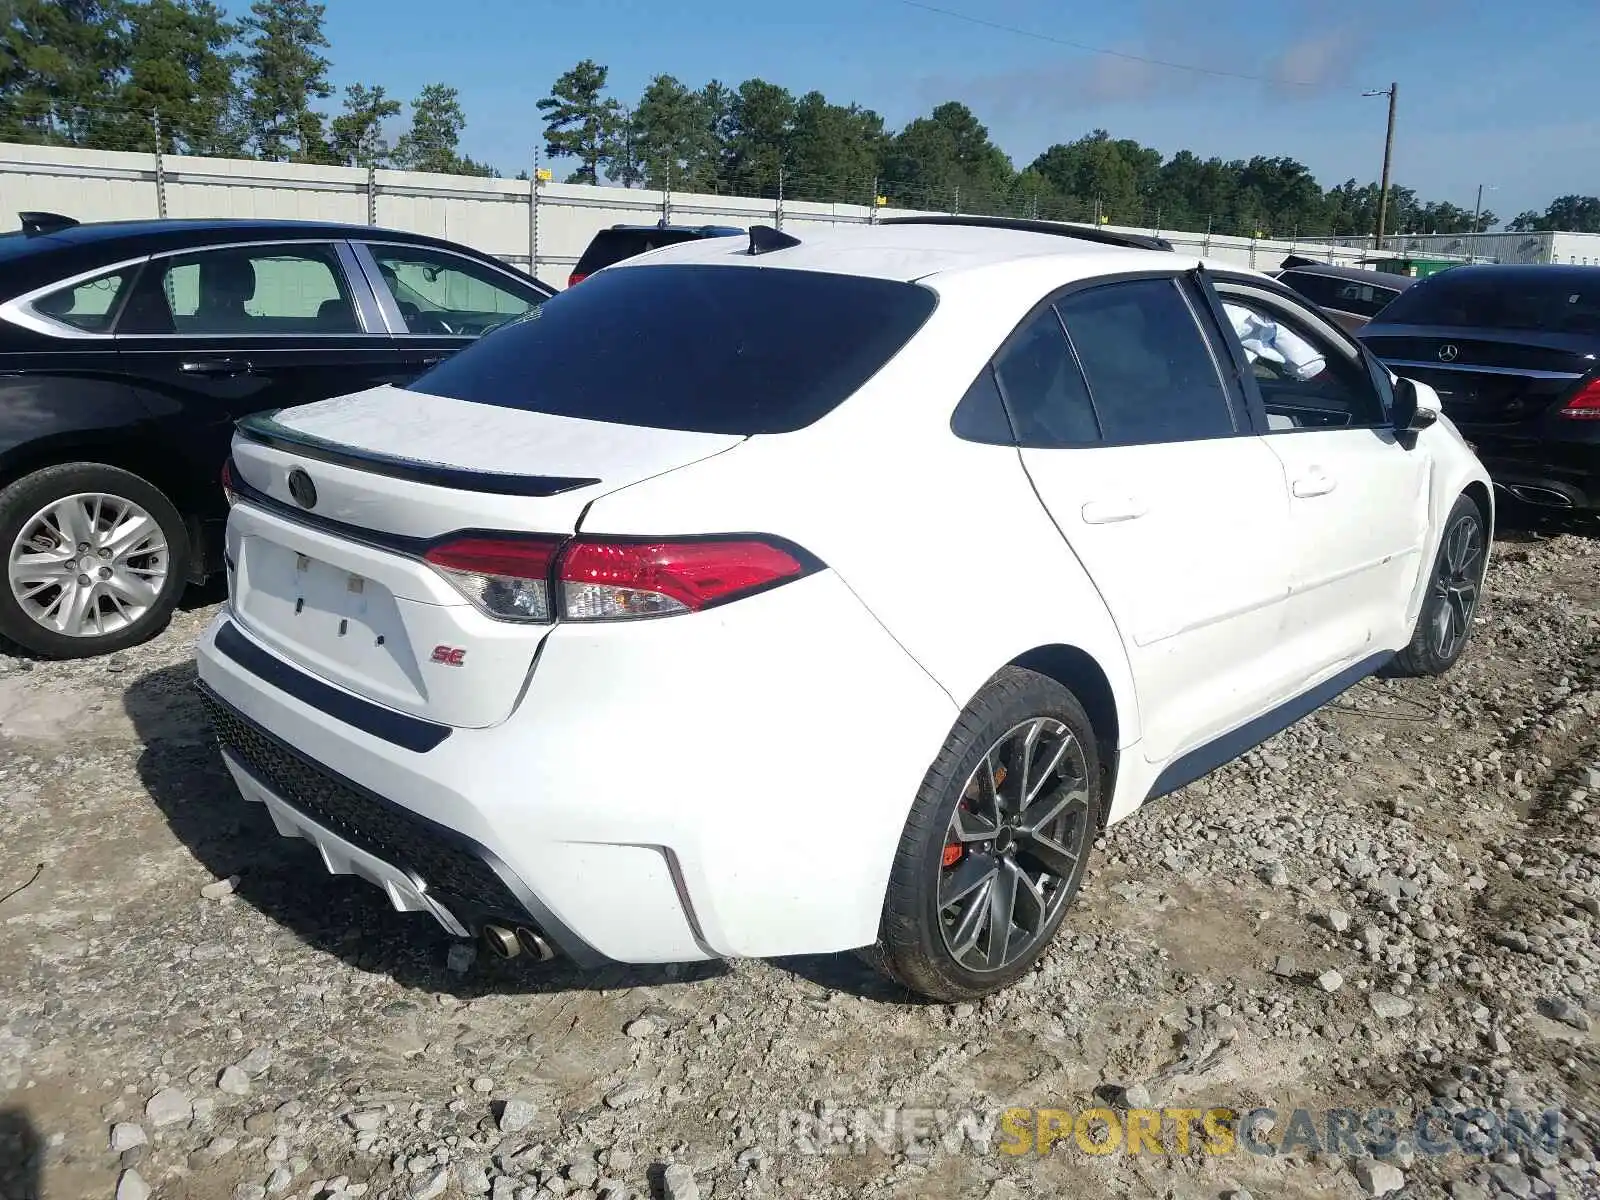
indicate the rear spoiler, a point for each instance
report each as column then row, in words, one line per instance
column 264, row 429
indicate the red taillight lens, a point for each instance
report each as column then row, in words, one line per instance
column 1585, row 406
column 605, row 581
column 228, row 491
column 508, row 578
column 575, row 279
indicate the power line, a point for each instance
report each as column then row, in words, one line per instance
column 1088, row 49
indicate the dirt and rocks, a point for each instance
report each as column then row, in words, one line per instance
column 1394, row 905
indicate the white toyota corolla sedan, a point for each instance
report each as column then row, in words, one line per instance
column 828, row 592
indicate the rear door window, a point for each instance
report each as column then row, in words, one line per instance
column 245, row 290
column 709, row 349
column 1150, row 370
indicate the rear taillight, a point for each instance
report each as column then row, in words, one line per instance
column 1585, row 406
column 607, row 581
column 575, row 278
column 536, row 578
column 229, row 492
column 508, row 578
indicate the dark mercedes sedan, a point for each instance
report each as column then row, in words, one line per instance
column 1514, row 353
column 129, row 349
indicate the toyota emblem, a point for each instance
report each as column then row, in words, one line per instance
column 1449, row 352
column 302, row 489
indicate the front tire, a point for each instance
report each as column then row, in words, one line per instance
column 96, row 558
column 995, row 847
column 1455, row 585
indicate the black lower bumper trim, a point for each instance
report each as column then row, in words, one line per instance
column 465, row 875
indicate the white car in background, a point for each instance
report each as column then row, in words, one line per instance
column 797, row 595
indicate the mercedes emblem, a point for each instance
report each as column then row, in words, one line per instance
column 302, row 489
column 1449, row 352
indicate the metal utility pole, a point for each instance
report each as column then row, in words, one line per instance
column 1388, row 153
column 1477, row 216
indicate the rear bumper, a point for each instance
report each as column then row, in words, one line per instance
column 728, row 784
column 1568, row 467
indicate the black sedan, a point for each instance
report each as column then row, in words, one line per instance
column 1514, row 353
column 129, row 349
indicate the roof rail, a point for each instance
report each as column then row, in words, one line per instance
column 44, row 222
column 1087, row 233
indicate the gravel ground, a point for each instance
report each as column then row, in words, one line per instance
column 1394, row 904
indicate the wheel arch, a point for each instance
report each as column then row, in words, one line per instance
column 1078, row 671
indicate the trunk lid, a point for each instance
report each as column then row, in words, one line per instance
column 338, row 586
column 1486, row 378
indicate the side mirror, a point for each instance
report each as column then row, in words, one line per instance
column 1416, row 405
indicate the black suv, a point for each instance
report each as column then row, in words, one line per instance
column 1514, row 353
column 129, row 349
column 624, row 241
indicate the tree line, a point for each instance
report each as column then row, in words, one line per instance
column 184, row 75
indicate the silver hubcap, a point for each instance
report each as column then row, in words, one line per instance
column 1456, row 586
column 1013, row 845
column 88, row 565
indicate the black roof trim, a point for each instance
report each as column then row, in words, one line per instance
column 1086, row 233
column 44, row 222
column 764, row 239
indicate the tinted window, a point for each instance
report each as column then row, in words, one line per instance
column 444, row 293
column 981, row 415
column 89, row 305
column 1317, row 288
column 1559, row 301
column 244, row 290
column 712, row 349
column 1149, row 369
column 1305, row 380
column 1045, row 391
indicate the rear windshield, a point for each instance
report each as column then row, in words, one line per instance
column 710, row 349
column 614, row 245
column 1560, row 302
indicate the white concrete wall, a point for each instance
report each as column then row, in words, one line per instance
column 498, row 216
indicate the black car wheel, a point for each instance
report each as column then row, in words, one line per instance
column 996, row 843
column 96, row 559
column 1454, row 587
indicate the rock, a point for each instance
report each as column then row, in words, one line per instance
column 471, row 1176
column 1136, row 1095
column 582, row 1173
column 234, row 1081
column 1559, row 1008
column 641, row 1027
column 249, row 1191
column 461, row 957
column 483, row 1085
column 431, row 1186
column 260, row 1124
column 221, row 889
column 1378, row 1178
column 1511, row 1179
column 367, row 1120
column 516, row 1114
column 278, row 1182
column 1330, row 981
column 1511, row 939
column 1460, row 1189
column 1273, row 874
column 132, row 1187
column 1283, row 967
column 677, row 1183
column 169, row 1106
column 1337, row 920
column 125, row 1135
column 277, row 1151
column 255, row 1063
column 1390, row 1007
column 220, row 1147
column 628, row 1093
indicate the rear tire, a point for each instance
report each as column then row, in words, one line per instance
column 96, row 559
column 1455, row 585
column 995, row 847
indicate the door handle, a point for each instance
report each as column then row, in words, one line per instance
column 219, row 368
column 1109, row 512
column 1315, row 484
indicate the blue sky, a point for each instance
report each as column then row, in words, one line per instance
column 1499, row 94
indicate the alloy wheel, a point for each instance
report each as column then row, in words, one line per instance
column 89, row 564
column 1456, row 585
column 1013, row 846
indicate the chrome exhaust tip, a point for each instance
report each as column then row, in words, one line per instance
column 502, row 942
column 534, row 944
column 1542, row 496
